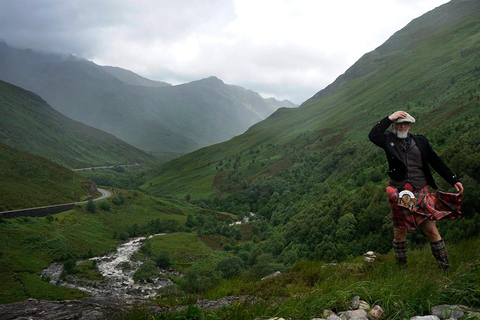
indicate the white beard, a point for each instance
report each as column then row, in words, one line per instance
column 401, row 135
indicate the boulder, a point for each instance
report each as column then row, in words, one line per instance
column 376, row 312
column 446, row 311
column 355, row 303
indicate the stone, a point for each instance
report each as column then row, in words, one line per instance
column 364, row 305
column 425, row 318
column 327, row 313
column 85, row 309
column 376, row 312
column 355, row 303
column 354, row 314
column 369, row 256
column 333, row 317
column 273, row 275
column 446, row 311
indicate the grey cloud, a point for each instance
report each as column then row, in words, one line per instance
column 79, row 26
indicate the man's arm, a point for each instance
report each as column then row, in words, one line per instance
column 443, row 170
column 376, row 134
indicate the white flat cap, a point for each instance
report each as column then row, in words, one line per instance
column 408, row 118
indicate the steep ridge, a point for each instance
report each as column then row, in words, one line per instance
column 136, row 110
column 28, row 123
column 132, row 78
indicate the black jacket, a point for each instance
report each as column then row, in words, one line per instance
column 397, row 169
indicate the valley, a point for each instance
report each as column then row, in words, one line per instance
column 179, row 165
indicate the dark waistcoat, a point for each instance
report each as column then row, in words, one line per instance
column 411, row 156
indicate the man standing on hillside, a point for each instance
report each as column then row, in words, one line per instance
column 412, row 204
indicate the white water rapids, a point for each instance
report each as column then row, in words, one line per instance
column 118, row 280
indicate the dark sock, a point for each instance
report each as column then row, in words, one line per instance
column 400, row 250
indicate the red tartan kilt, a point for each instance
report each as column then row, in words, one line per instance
column 434, row 206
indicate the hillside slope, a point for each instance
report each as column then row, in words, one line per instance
column 31, row 181
column 28, row 123
column 312, row 165
column 163, row 119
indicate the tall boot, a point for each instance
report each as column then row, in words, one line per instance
column 400, row 250
column 440, row 253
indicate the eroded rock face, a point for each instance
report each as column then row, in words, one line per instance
column 82, row 309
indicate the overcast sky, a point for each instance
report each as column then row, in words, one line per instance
column 288, row 49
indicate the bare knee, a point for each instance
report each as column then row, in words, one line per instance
column 430, row 230
column 399, row 235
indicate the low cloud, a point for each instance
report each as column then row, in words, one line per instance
column 287, row 49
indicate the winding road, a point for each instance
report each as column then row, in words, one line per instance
column 14, row 213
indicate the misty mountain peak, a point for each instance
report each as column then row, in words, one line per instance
column 213, row 80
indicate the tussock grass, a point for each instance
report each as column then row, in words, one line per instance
column 403, row 292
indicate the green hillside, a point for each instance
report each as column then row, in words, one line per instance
column 28, row 123
column 32, row 181
column 311, row 171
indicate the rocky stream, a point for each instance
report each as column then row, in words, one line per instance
column 117, row 269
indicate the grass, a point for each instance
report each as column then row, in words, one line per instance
column 312, row 286
column 30, row 244
column 303, row 292
column 30, row 181
column 186, row 249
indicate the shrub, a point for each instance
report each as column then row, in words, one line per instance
column 124, row 236
column 69, row 267
column 104, row 205
column 147, row 272
column 91, row 206
column 163, row 260
column 196, row 281
column 230, row 267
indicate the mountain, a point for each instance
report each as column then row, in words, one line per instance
column 311, row 171
column 132, row 78
column 152, row 116
column 28, row 123
column 31, row 181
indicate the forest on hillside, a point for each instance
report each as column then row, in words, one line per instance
column 311, row 176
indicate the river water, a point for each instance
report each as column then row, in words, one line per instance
column 117, row 280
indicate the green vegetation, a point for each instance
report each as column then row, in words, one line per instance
column 31, row 181
column 30, row 244
column 311, row 172
column 125, row 177
column 28, row 123
column 312, row 286
column 313, row 188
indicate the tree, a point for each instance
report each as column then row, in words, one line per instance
column 346, row 228
column 164, row 260
column 230, row 267
column 91, row 207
